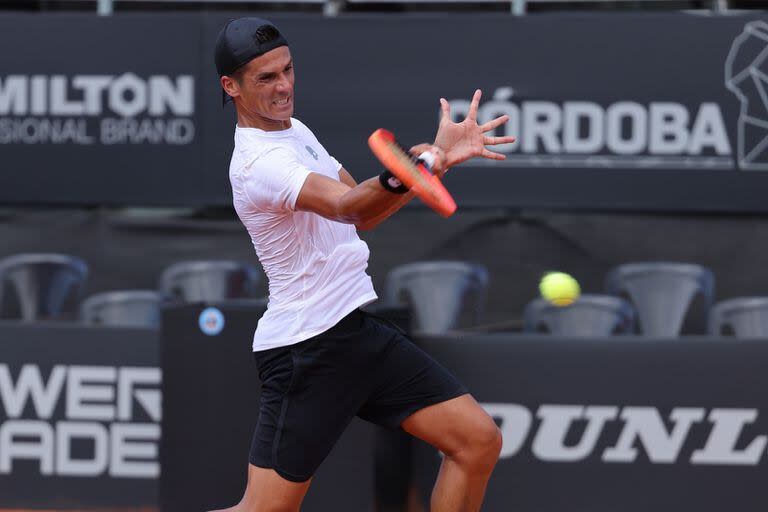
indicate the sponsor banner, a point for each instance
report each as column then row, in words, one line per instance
column 589, row 425
column 631, row 425
column 80, row 412
column 209, row 375
column 598, row 425
column 128, row 109
column 100, row 110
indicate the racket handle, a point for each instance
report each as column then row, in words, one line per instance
column 429, row 160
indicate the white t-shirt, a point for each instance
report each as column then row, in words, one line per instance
column 316, row 267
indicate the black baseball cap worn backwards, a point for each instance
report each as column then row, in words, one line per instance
column 242, row 40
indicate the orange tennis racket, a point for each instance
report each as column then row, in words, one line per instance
column 411, row 172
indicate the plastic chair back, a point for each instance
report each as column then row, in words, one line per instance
column 589, row 316
column 661, row 293
column 437, row 291
column 42, row 282
column 209, row 281
column 123, row 308
column 747, row 317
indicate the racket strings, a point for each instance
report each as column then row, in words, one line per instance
column 403, row 153
column 412, row 171
column 411, row 163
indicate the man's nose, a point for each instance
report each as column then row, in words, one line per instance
column 284, row 83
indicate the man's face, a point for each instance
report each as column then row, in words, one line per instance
column 264, row 88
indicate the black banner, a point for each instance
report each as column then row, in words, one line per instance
column 128, row 109
column 211, row 396
column 80, row 412
column 600, row 425
column 99, row 110
column 625, row 424
column 631, row 424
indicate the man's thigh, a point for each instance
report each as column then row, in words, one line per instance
column 451, row 425
column 311, row 391
column 406, row 380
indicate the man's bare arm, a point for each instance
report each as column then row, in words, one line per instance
column 364, row 205
column 404, row 199
column 368, row 204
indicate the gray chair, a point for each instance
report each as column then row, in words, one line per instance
column 209, row 281
column 437, row 292
column 662, row 292
column 589, row 316
column 123, row 308
column 746, row 317
column 42, row 282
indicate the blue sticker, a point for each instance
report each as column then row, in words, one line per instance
column 211, row 321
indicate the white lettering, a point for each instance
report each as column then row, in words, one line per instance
column 13, row 95
column 585, row 128
column 721, row 444
column 637, row 137
column 130, row 441
column 127, row 380
column 128, row 95
column 556, row 422
column 122, row 131
column 61, row 105
column 709, row 131
column 15, row 444
column 542, row 120
column 646, row 425
column 669, row 128
column 576, row 113
column 39, row 95
column 84, row 95
column 66, row 432
column 179, row 99
column 79, row 393
column 93, row 87
column 30, row 384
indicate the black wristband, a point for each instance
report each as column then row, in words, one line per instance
column 391, row 183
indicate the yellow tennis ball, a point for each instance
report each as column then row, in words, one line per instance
column 559, row 288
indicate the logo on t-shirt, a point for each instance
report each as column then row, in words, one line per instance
column 311, row 151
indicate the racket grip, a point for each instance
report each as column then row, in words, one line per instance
column 428, row 158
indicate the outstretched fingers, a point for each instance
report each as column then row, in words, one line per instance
column 495, row 123
column 486, row 153
column 493, row 141
column 445, row 109
column 474, row 105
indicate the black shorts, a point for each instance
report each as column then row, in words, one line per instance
column 312, row 390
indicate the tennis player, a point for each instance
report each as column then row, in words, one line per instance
column 321, row 360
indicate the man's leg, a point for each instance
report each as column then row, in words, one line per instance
column 309, row 394
column 269, row 492
column 470, row 441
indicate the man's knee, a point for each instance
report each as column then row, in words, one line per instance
column 489, row 442
column 481, row 447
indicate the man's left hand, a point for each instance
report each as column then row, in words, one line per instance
column 465, row 140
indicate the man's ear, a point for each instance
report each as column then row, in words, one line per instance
column 230, row 86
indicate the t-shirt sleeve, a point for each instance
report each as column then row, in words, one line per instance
column 273, row 181
column 335, row 163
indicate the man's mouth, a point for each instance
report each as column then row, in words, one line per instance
column 281, row 102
